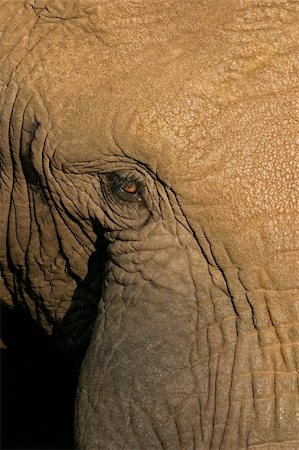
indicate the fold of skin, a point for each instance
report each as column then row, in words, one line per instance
column 195, row 344
column 189, row 353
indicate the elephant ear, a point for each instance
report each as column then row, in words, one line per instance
column 51, row 264
column 11, row 32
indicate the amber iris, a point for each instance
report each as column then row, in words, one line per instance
column 130, row 188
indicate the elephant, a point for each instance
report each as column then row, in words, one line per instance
column 149, row 212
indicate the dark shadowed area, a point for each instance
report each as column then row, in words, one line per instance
column 38, row 388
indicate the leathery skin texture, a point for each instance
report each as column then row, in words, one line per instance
column 148, row 153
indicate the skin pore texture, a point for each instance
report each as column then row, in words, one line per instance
column 148, row 180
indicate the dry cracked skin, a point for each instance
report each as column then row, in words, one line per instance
column 149, row 201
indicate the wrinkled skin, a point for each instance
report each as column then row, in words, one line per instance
column 148, row 175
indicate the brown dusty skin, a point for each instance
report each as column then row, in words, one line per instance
column 149, row 189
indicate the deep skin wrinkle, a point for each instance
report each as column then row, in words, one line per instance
column 148, row 174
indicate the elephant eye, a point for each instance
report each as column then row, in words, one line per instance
column 126, row 186
column 130, row 188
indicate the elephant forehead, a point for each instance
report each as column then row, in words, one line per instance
column 211, row 113
column 112, row 49
column 214, row 151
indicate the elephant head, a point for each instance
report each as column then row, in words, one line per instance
column 148, row 179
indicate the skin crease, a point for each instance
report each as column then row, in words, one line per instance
column 185, row 256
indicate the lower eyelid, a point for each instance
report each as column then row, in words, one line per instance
column 136, row 196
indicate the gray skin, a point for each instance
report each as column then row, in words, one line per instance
column 148, row 180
